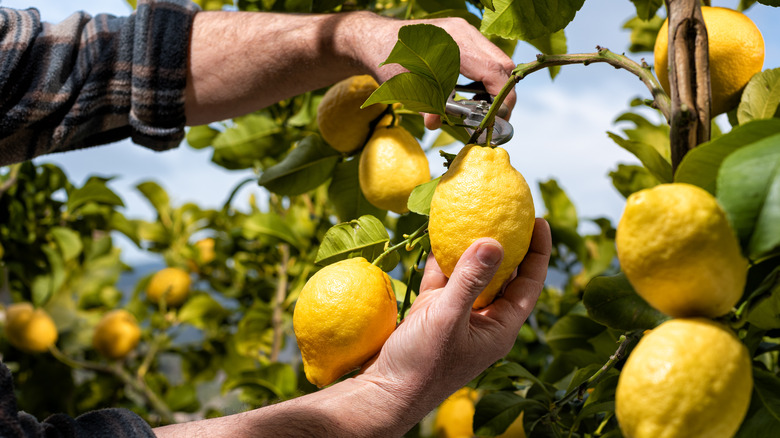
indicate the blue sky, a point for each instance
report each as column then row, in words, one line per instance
column 560, row 126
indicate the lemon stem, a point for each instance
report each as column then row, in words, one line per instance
column 401, row 244
column 117, row 371
column 661, row 100
column 408, row 296
column 625, row 341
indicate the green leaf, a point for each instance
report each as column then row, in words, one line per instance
column 560, row 209
column 93, row 190
column 551, row 44
column 648, row 155
column 433, row 60
column 157, row 197
column 182, row 398
column 643, row 33
column 761, row 97
column 305, row 168
column 629, row 179
column 199, row 137
column 345, row 193
column 56, row 268
column 420, row 199
column 68, row 241
column 528, row 19
column 496, row 411
column 765, row 314
column 251, row 138
column 41, row 290
column 364, row 237
column 613, row 302
column 763, row 416
column 572, row 332
column 509, row 370
column 268, row 224
column 203, row 312
column 774, row 3
column 644, row 131
column 749, row 191
column 700, row 166
column 646, row 9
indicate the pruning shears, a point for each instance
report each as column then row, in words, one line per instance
column 473, row 111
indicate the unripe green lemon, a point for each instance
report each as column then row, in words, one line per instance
column 481, row 195
column 29, row 329
column 391, row 166
column 686, row 378
column 117, row 334
column 679, row 252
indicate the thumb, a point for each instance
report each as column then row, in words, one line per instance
column 473, row 272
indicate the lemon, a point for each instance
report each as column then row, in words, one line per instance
column 686, row 378
column 344, row 314
column 391, row 166
column 29, row 329
column 736, row 50
column 455, row 417
column 678, row 251
column 205, row 248
column 116, row 334
column 481, row 195
column 343, row 124
column 172, row 283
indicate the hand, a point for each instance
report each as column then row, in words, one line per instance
column 442, row 344
column 480, row 60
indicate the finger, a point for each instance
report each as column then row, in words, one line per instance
column 432, row 121
column 433, row 278
column 473, row 272
column 521, row 294
column 534, row 265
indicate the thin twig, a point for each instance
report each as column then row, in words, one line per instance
column 281, row 294
column 661, row 100
column 409, row 239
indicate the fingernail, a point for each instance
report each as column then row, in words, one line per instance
column 489, row 254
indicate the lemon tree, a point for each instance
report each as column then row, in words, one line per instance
column 581, row 367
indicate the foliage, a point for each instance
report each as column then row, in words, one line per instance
column 230, row 346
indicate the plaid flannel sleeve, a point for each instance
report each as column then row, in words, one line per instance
column 93, row 80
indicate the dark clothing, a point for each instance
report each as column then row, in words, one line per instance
column 113, row 423
column 93, row 80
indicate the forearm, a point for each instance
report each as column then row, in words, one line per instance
column 242, row 61
column 353, row 408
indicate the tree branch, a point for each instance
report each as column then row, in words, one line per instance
column 689, row 78
column 661, row 100
column 278, row 310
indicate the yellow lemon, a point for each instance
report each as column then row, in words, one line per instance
column 343, row 124
column 736, row 50
column 172, row 283
column 206, row 253
column 344, row 314
column 29, row 329
column 481, row 195
column 116, row 334
column 391, row 166
column 678, row 251
column 687, row 378
column 455, row 417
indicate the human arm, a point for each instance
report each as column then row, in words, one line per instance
column 439, row 347
column 276, row 56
